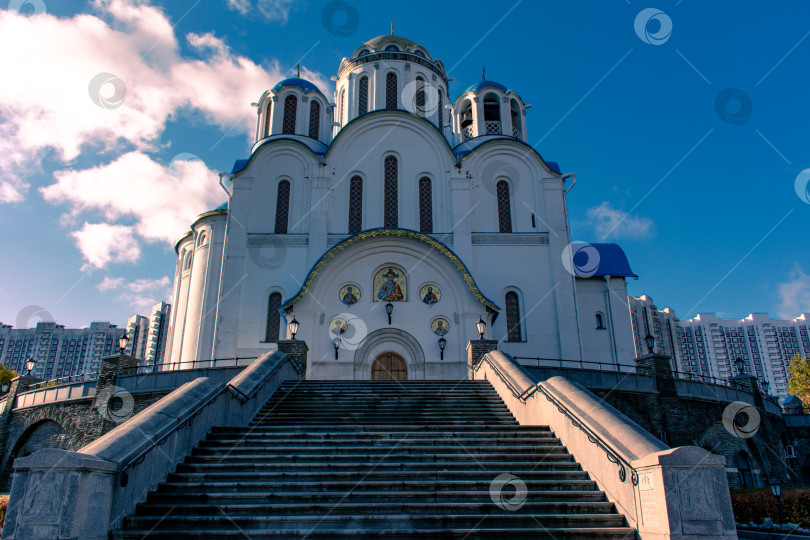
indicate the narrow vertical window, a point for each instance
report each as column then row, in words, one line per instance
column 355, row 205
column 425, row 206
column 282, row 207
column 273, row 317
column 420, row 96
column 440, row 111
column 290, row 107
column 314, row 119
column 390, row 211
column 512, row 317
column 362, row 92
column 391, row 91
column 504, row 211
column 267, row 117
column 342, row 109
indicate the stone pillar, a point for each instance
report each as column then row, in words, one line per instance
column 658, row 366
column 105, row 414
column 476, row 349
column 298, row 350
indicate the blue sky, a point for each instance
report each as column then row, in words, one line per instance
column 698, row 189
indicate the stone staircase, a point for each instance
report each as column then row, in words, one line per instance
column 327, row 459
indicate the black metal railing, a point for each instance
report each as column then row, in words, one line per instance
column 581, row 364
column 81, row 377
column 612, row 455
column 796, row 411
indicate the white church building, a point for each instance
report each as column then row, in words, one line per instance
column 387, row 221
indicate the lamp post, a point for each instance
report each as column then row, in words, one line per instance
column 442, row 345
column 122, row 343
column 740, row 365
column 389, row 309
column 4, row 386
column 336, row 343
column 293, row 326
column 29, row 365
column 650, row 341
column 480, row 326
column 776, row 489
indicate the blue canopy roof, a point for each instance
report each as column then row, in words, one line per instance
column 483, row 84
column 609, row 260
column 305, row 85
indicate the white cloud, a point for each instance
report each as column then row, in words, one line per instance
column 609, row 222
column 46, row 101
column 140, row 294
column 794, row 294
column 276, row 10
column 102, row 243
column 163, row 200
column 48, row 104
column 273, row 10
column 242, row 6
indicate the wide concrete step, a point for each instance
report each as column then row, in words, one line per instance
column 343, row 441
column 414, row 466
column 394, row 450
column 404, row 522
column 384, row 430
column 185, row 508
column 468, row 483
column 474, row 533
column 272, row 495
column 373, row 474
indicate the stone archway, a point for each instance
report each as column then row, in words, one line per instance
column 389, row 366
column 390, row 341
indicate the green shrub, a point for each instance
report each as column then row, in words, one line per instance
column 757, row 504
column 3, row 508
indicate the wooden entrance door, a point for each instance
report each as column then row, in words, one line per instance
column 389, row 366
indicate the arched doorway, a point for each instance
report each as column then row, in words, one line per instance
column 389, row 366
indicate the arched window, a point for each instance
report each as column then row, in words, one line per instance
column 466, row 120
column 492, row 114
column 391, row 204
column 420, row 96
column 391, row 91
column 273, row 317
column 267, row 117
column 512, row 317
column 201, row 239
column 600, row 322
column 290, row 108
column 744, row 470
column 355, row 205
column 425, row 206
column 504, row 210
column 362, row 99
column 392, row 48
column 440, row 112
column 187, row 261
column 517, row 127
column 282, row 207
column 314, row 118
